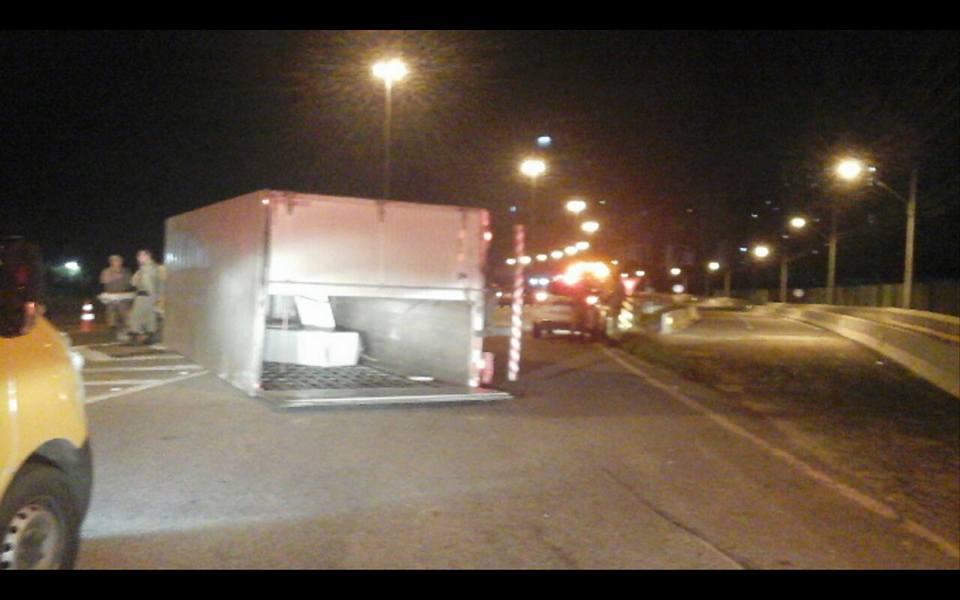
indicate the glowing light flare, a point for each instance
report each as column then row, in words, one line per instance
column 577, row 271
column 390, row 70
column 533, row 167
column 849, row 169
column 713, row 265
column 525, row 260
column 576, row 206
column 590, row 226
column 570, row 250
column 675, row 271
column 511, row 261
column 798, row 222
column 583, row 245
column 541, row 296
column 556, row 254
column 591, row 300
column 541, row 257
column 761, row 251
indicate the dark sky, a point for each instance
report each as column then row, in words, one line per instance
column 683, row 134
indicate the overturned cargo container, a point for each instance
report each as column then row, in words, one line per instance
column 303, row 299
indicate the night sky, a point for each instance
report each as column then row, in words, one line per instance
column 684, row 135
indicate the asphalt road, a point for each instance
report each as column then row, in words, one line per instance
column 602, row 461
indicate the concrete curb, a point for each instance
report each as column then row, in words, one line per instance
column 933, row 359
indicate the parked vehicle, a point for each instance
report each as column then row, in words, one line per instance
column 45, row 459
column 566, row 315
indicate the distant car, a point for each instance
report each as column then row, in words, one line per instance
column 564, row 315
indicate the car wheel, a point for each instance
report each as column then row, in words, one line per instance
column 40, row 521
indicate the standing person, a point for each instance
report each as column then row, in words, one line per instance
column 143, row 316
column 116, row 280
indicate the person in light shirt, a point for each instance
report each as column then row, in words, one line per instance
column 116, row 280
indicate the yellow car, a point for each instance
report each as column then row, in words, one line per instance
column 45, row 462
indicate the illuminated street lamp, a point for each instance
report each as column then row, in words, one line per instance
column 675, row 271
column 583, row 245
column 525, row 260
column 640, row 273
column 713, row 266
column 849, row 169
column 852, row 170
column 556, row 254
column 511, row 261
column 570, row 250
column 541, row 257
column 389, row 71
column 761, row 251
column 533, row 168
column 590, row 227
column 798, row 222
column 576, row 206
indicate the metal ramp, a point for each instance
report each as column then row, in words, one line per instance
column 286, row 385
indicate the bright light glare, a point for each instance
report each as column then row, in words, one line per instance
column 577, row 271
column 713, row 265
column 591, row 300
column 525, row 260
column 533, row 167
column 87, row 317
column 678, row 289
column 583, row 245
column 640, row 273
column 87, row 307
column 487, row 236
column 798, row 222
column 541, row 257
column 390, row 70
column 570, row 250
column 544, row 281
column 675, row 271
column 590, row 227
column 541, row 296
column 511, row 261
column 544, row 141
column 761, row 251
column 499, row 294
column 849, row 169
column 556, row 254
column 576, row 206
column 72, row 265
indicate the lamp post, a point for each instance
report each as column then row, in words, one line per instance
column 852, row 170
column 389, row 71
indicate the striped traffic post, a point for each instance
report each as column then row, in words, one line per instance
column 516, row 326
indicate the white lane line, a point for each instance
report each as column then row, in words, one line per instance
column 848, row 492
column 133, row 390
column 128, row 369
column 124, row 382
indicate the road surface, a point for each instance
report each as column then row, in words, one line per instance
column 602, row 461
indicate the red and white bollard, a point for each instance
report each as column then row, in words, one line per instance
column 516, row 326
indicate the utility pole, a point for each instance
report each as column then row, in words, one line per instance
column 908, row 252
column 832, row 259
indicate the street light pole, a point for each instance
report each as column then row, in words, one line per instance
column 388, row 71
column 832, row 258
column 388, row 88
column 908, row 251
column 783, row 277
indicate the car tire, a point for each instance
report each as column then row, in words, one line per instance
column 40, row 520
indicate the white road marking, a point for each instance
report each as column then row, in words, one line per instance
column 123, row 381
column 140, row 388
column 848, row 492
column 128, row 369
